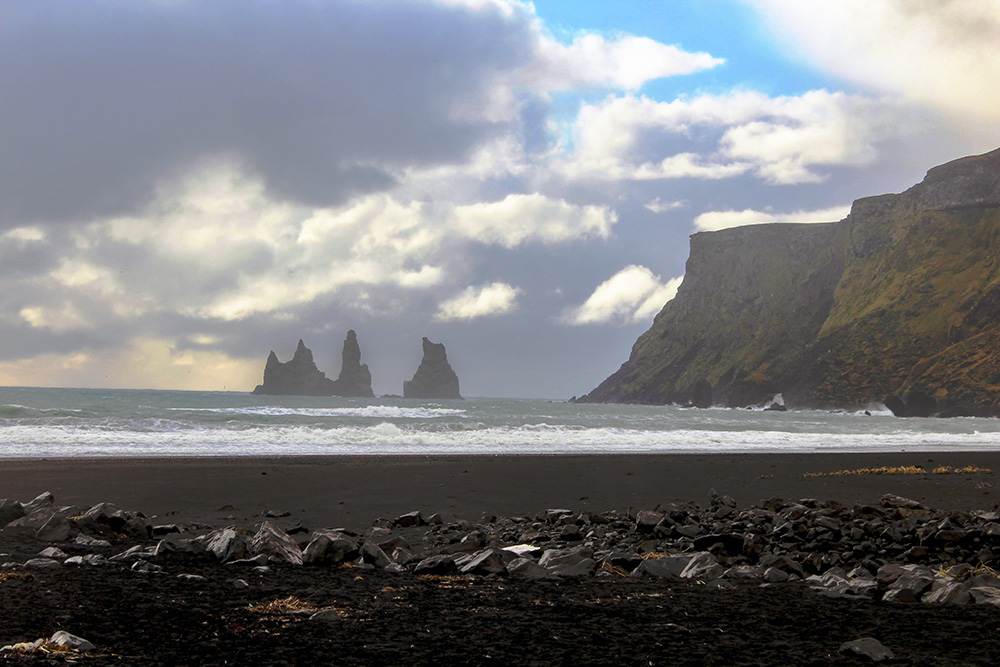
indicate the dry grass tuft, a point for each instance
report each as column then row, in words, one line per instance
column 15, row 576
column 43, row 647
column 289, row 605
column 613, row 570
column 983, row 568
column 901, row 470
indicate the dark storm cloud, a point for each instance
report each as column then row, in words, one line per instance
column 99, row 99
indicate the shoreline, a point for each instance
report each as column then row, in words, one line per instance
column 353, row 490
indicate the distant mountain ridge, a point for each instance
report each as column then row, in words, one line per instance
column 899, row 302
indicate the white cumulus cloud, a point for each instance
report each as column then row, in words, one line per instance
column 520, row 218
column 632, row 295
column 233, row 252
column 626, row 62
column 939, row 53
column 715, row 220
column 783, row 140
column 475, row 302
column 657, row 205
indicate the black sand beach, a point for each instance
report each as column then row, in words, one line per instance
column 401, row 619
column 352, row 491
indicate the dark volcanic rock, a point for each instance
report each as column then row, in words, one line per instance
column 916, row 313
column 434, row 377
column 917, row 404
column 355, row 378
column 301, row 377
column 701, row 394
column 298, row 377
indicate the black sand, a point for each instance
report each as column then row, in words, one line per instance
column 403, row 619
column 352, row 491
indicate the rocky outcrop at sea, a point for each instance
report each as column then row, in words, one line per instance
column 301, row 377
column 434, row 377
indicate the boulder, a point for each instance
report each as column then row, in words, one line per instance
column 42, row 564
column 669, row 567
column 703, row 566
column 56, row 529
column 582, row 568
column 146, row 567
column 275, row 544
column 328, row 550
column 106, row 520
column 525, row 568
column 867, row 647
column 488, row 561
column 326, row 616
column 947, row 592
column 774, row 575
column 523, row 550
column 41, row 501
column 372, row 554
column 560, row 557
column 434, row 377
column 65, row 639
column 646, row 521
column 52, row 552
column 9, row 511
column 409, row 519
column 225, row 544
column 985, row 595
column 441, row 564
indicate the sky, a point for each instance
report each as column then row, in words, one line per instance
column 185, row 186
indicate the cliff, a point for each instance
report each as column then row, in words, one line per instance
column 899, row 299
column 434, row 377
column 301, row 377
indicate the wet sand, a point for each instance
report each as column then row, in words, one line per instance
column 352, row 491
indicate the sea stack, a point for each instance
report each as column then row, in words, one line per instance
column 301, row 377
column 355, row 378
column 434, row 377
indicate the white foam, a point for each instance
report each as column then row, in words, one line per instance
column 390, row 439
column 150, row 423
column 368, row 411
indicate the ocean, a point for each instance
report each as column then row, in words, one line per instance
column 45, row 422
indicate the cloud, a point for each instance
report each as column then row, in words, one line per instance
column 475, row 302
column 657, row 205
column 520, row 218
column 632, row 295
column 782, row 140
column 715, row 220
column 627, row 62
column 232, row 252
column 323, row 102
column 941, row 54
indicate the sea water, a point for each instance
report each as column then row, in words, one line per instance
column 44, row 422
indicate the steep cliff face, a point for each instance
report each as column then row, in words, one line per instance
column 434, row 377
column 301, row 377
column 901, row 297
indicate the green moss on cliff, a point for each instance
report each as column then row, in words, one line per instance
column 904, row 294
